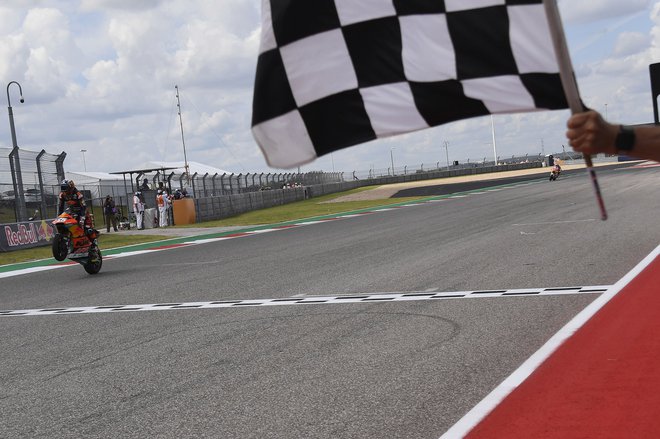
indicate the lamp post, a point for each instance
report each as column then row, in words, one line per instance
column 84, row 163
column 447, row 153
column 492, row 129
column 392, row 159
column 18, row 180
column 185, row 157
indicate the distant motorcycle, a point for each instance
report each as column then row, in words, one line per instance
column 73, row 241
column 554, row 174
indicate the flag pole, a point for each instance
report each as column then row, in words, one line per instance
column 570, row 86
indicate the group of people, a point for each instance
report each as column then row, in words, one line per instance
column 163, row 202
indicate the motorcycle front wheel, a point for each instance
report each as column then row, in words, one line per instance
column 94, row 267
column 60, row 247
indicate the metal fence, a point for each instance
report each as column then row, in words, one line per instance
column 207, row 185
column 442, row 165
column 29, row 183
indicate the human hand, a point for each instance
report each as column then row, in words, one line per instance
column 590, row 134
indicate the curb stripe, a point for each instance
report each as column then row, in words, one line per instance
column 473, row 417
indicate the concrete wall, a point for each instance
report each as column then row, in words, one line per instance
column 225, row 206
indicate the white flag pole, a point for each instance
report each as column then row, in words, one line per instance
column 569, row 84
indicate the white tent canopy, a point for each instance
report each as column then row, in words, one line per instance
column 99, row 184
column 194, row 167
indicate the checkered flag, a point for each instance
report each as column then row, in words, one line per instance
column 335, row 73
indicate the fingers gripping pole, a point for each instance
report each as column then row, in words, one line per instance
column 570, row 86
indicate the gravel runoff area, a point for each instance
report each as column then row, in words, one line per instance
column 388, row 190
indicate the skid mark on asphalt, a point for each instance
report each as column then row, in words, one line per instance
column 308, row 300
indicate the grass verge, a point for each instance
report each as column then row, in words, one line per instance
column 303, row 209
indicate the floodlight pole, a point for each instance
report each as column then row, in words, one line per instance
column 492, row 129
column 183, row 141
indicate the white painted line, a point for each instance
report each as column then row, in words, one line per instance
column 352, row 215
column 556, row 222
column 206, row 241
column 30, row 270
column 309, row 223
column 306, row 300
column 479, row 412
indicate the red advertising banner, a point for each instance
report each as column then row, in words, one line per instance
column 27, row 234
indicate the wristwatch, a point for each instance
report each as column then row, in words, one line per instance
column 625, row 139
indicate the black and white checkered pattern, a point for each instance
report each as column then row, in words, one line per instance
column 310, row 300
column 335, row 73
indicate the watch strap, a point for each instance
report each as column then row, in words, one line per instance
column 625, row 139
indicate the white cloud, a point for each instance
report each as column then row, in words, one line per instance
column 590, row 11
column 629, row 43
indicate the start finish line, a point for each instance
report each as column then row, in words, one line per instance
column 311, row 300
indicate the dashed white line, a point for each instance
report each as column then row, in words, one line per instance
column 307, row 300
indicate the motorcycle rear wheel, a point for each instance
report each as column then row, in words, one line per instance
column 94, row 267
column 60, row 247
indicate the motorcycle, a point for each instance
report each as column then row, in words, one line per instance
column 77, row 243
column 554, row 174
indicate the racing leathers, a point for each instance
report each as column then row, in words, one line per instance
column 73, row 202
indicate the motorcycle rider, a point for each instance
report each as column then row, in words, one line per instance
column 72, row 201
column 556, row 170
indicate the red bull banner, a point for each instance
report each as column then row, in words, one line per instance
column 27, row 234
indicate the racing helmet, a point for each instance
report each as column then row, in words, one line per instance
column 67, row 185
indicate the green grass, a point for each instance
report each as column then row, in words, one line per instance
column 301, row 209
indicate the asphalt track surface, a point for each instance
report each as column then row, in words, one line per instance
column 335, row 370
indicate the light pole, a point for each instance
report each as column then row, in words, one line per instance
column 447, row 153
column 185, row 157
column 18, row 181
column 605, row 111
column 84, row 163
column 11, row 113
column 392, row 160
column 492, row 129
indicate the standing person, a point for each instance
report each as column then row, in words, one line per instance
column 138, row 210
column 110, row 212
column 590, row 134
column 162, row 202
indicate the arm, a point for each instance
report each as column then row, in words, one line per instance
column 83, row 206
column 589, row 133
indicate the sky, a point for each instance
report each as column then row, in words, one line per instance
column 100, row 76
